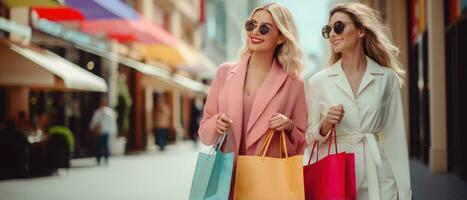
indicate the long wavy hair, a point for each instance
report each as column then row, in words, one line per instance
column 288, row 53
column 377, row 41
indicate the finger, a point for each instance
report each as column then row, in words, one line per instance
column 222, row 123
column 332, row 121
column 221, row 128
column 225, row 118
column 274, row 125
column 275, row 117
column 279, row 128
column 335, row 112
column 334, row 117
column 340, row 107
column 221, row 131
column 276, row 120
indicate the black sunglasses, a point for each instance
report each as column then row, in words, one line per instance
column 338, row 28
column 264, row 28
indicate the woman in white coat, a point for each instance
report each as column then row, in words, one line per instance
column 360, row 95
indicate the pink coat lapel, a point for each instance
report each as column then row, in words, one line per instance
column 271, row 85
column 234, row 94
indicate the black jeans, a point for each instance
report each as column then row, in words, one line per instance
column 102, row 147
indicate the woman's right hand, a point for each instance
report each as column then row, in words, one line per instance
column 334, row 116
column 223, row 123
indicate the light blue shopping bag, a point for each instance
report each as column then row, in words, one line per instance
column 213, row 174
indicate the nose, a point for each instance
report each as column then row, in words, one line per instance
column 332, row 34
column 255, row 30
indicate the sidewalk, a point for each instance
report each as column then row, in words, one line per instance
column 428, row 186
column 167, row 175
column 146, row 176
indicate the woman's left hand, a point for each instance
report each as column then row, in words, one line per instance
column 280, row 122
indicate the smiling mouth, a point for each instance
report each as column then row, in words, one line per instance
column 256, row 40
column 335, row 42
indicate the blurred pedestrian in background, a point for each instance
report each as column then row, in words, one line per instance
column 161, row 121
column 103, row 125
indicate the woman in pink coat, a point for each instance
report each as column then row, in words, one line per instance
column 262, row 90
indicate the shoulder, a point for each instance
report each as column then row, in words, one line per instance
column 318, row 77
column 225, row 67
column 390, row 77
column 296, row 80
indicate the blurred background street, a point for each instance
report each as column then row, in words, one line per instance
column 149, row 63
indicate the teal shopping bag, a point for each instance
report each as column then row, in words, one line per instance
column 213, row 174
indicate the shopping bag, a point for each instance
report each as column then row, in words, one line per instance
column 213, row 173
column 260, row 177
column 331, row 178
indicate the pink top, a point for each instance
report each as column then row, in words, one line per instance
column 247, row 105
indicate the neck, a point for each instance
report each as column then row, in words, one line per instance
column 354, row 60
column 261, row 60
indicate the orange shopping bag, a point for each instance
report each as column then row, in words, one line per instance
column 260, row 177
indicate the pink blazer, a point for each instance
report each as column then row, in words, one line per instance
column 279, row 93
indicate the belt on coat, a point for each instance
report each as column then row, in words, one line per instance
column 372, row 157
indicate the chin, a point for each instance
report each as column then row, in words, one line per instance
column 258, row 48
column 336, row 50
column 339, row 48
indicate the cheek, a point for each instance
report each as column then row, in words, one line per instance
column 272, row 40
column 350, row 39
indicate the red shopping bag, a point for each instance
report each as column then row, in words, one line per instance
column 331, row 178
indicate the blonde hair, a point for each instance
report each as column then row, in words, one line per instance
column 288, row 53
column 377, row 40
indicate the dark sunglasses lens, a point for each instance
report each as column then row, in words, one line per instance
column 325, row 31
column 339, row 27
column 264, row 29
column 250, row 25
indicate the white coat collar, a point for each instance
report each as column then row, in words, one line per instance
column 372, row 70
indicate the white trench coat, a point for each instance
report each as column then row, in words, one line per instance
column 372, row 128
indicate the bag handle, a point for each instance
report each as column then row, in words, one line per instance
column 219, row 141
column 282, row 144
column 316, row 144
column 333, row 134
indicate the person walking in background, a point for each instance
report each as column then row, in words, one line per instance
column 103, row 125
column 161, row 122
column 360, row 95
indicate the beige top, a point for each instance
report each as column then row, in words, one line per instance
column 162, row 117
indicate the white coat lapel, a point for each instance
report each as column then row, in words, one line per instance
column 372, row 69
column 337, row 74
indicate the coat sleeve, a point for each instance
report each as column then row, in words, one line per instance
column 296, row 141
column 315, row 118
column 395, row 142
column 207, row 128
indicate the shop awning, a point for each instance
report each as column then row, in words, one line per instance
column 31, row 3
column 138, row 29
column 156, row 76
column 103, row 9
column 30, row 66
column 181, row 56
column 58, row 13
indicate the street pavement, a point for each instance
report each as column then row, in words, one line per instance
column 152, row 175
column 155, row 175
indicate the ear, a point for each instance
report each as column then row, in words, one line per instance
column 361, row 32
column 281, row 40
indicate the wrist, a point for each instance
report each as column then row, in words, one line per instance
column 324, row 129
column 290, row 126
